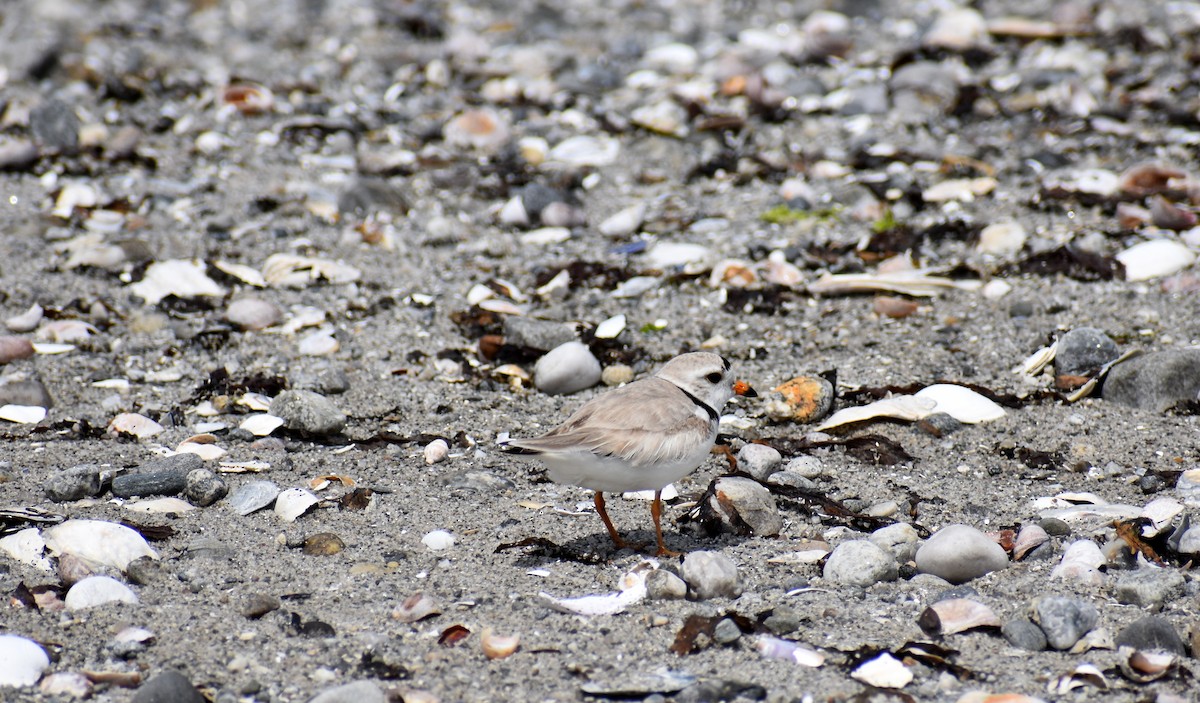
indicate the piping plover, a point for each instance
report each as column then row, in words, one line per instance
column 641, row 436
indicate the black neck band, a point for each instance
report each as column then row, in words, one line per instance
column 712, row 414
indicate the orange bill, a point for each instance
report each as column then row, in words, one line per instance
column 743, row 388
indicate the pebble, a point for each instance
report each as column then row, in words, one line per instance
column 169, row 686
column 616, row 375
column 759, row 460
column 54, row 124
column 438, row 540
column 860, row 562
column 662, row 584
column 567, row 368
column 320, row 343
column 1155, row 381
column 18, row 155
column 726, row 631
column 253, row 314
column 1083, row 350
column 75, row 483
column 203, row 487
column 305, row 411
column 1023, row 634
column 323, row 544
column 623, row 223
column 809, row 467
column 533, row 333
column 1064, row 620
column 742, row 506
column 356, row 692
column 959, row 553
column 257, row 605
column 29, row 392
column 24, row 661
column 365, row 195
column 13, row 348
column 802, row 399
column 900, row 540
column 1151, row 634
column 1002, row 239
column 164, row 477
column 1149, row 587
column 711, row 575
column 98, row 590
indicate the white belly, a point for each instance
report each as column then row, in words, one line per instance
column 613, row 475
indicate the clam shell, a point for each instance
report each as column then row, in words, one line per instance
column 1144, row 667
column 65, row 331
column 253, row 496
column 963, row 404
column 293, row 503
column 954, row 615
column 26, row 321
column 22, row 414
column 884, row 671
column 901, row 407
column 777, row 648
column 262, row 424
column 97, row 542
column 98, row 590
column 498, row 646
column 1161, row 512
column 1029, row 538
column 135, row 425
column 24, row 661
column 1082, row 675
column 416, row 607
column 1155, row 259
column 26, row 547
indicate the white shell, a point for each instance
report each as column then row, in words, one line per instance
column 65, row 331
column 902, row 407
column 178, row 277
column 964, row 189
column 1161, row 512
column 26, row 321
column 160, row 505
column 97, row 543
column 1154, row 259
column 292, row 271
column 24, row 661
column 546, row 235
column 963, row 404
column 436, row 451
column 98, row 590
column 253, row 496
column 261, row 425
column 884, row 671
column 134, row 424
column 242, row 272
column 916, row 282
column 954, row 615
column 777, row 648
column 585, row 150
column 1082, row 675
column 27, row 548
column 666, row 255
column 22, row 414
column 293, row 503
column 438, row 540
column 66, row 685
column 319, row 343
column 48, row 348
column 416, row 607
column 633, row 589
column 302, row 316
column 1029, row 538
column 1035, row 362
column 625, row 222
column 1081, row 561
column 206, row 451
column 610, row 328
column 498, row 646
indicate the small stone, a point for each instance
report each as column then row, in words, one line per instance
column 203, row 487
column 1155, row 381
column 75, row 483
column 665, row 585
column 1149, row 587
column 783, row 620
column 13, row 348
column 29, row 392
column 1151, row 634
column 726, row 631
column 366, row 195
column 309, row 412
column 809, row 467
column 711, row 575
column 802, row 399
column 54, row 124
column 742, row 506
column 1064, row 620
column 1189, row 541
column 1055, row 527
column 165, row 477
column 939, row 424
column 1083, row 350
column 533, row 333
column 1023, row 634
column 323, row 544
column 18, row 155
column 253, row 314
column 168, row 687
column 759, row 460
column 616, row 375
column 257, row 605
column 1002, row 239
column 900, row 540
column 860, row 563
column 624, row 223
column 356, row 692
column 959, row 553
column 566, row 369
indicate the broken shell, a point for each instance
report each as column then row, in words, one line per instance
column 26, row 321
column 1144, row 667
column 954, row 615
column 293, row 503
column 261, row 425
column 781, row 272
column 292, row 271
column 253, row 496
column 901, row 407
column 1155, row 259
column 610, row 328
column 633, row 590
column 178, row 277
column 1029, row 538
column 1145, row 179
column 1082, row 675
column 1161, row 512
column 416, row 607
column 98, row 543
column 248, row 98
column 498, row 646
column 202, row 445
column 135, row 425
column 778, row 648
column 26, row 547
column 436, row 451
column 65, row 331
column 732, row 273
column 963, row 404
column 22, row 414
column 884, row 671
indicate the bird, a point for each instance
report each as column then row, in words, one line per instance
column 641, row 436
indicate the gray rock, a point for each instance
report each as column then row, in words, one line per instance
column 166, row 482
column 1023, row 634
column 203, row 487
column 1064, row 620
column 253, row 314
column 566, row 369
column 1083, row 350
column 1054, row 527
column 665, row 585
column 18, row 155
column 309, row 412
column 75, row 483
column 1149, row 587
column 365, row 195
column 742, row 506
column 759, row 460
column 536, row 197
column 54, row 124
column 726, row 631
column 168, row 687
column 959, row 553
column 860, row 563
column 1155, row 381
column 357, row 692
column 900, row 540
column 537, row 334
column 26, row 392
column 1189, row 541
column 783, row 620
column 809, row 467
column 257, row 605
column 711, row 575
column 1151, row 634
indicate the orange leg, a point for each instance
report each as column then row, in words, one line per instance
column 656, row 513
column 612, row 531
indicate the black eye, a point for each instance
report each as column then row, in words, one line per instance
column 714, row 377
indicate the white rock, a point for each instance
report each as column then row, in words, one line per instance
column 567, row 368
column 860, row 563
column 1155, row 259
column 438, row 540
column 293, row 503
column 899, row 539
column 1002, row 239
column 884, row 671
column 253, row 313
column 711, row 575
column 663, row 117
column 677, row 58
column 26, row 547
column 959, row 553
column 97, row 543
column 995, row 289
column 98, row 590
column 513, row 212
column 319, row 343
column 624, row 222
column 23, row 661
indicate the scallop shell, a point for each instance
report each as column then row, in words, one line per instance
column 253, row 496
column 777, row 648
column 97, row 542
column 293, row 503
column 498, row 646
column 954, row 615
